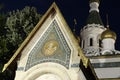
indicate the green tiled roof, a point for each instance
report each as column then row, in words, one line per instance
column 94, row 17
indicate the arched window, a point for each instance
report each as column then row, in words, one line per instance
column 83, row 43
column 91, row 42
column 100, row 43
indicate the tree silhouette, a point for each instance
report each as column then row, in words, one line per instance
column 15, row 27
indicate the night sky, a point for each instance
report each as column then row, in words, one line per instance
column 78, row 9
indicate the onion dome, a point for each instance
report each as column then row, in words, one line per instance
column 108, row 34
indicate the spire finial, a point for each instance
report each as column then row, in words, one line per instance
column 107, row 25
column 75, row 23
column 74, row 31
column 94, row 1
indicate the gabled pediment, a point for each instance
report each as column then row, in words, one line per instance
column 50, row 41
column 51, row 47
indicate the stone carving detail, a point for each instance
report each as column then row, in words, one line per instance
column 92, row 26
column 91, row 51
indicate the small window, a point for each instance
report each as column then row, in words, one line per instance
column 83, row 43
column 91, row 42
column 100, row 43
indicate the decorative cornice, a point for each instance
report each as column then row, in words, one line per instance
column 92, row 26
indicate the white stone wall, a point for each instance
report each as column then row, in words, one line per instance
column 91, row 31
column 108, row 44
column 50, row 68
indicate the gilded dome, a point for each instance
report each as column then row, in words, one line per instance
column 108, row 34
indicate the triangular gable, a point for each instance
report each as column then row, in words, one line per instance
column 51, row 47
column 56, row 31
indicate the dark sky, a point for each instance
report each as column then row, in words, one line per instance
column 71, row 9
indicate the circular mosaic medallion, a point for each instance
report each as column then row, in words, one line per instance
column 50, row 47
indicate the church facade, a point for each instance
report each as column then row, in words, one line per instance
column 53, row 52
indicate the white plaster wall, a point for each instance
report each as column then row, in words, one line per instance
column 108, row 72
column 108, row 44
column 50, row 68
column 49, row 76
column 91, row 32
column 105, row 60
